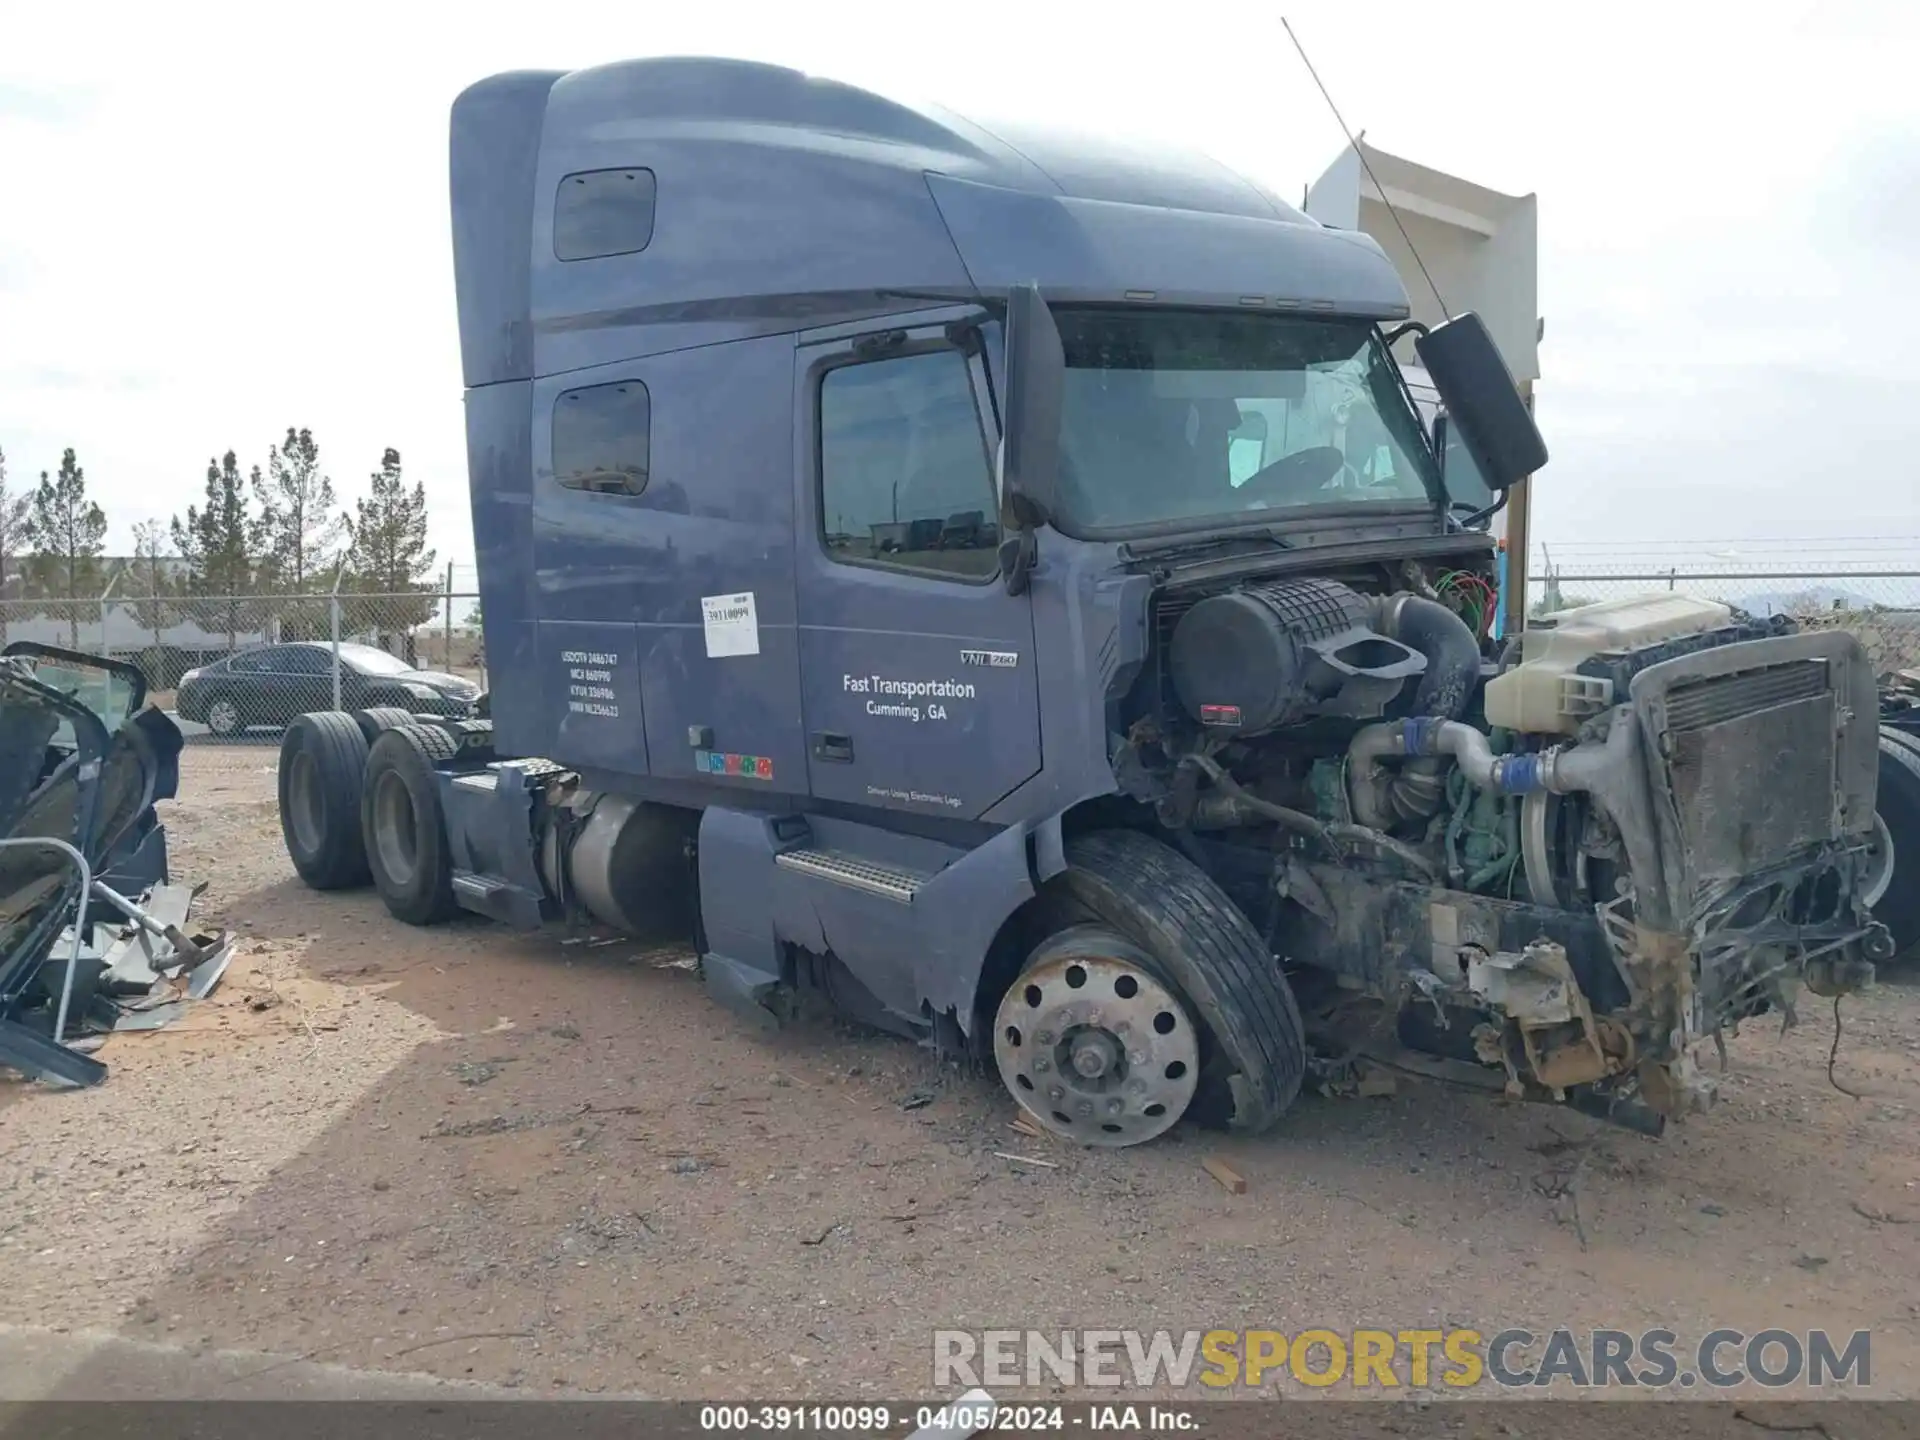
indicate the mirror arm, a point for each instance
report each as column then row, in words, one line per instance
column 1486, row 512
column 1410, row 327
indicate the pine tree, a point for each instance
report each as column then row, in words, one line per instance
column 221, row 543
column 388, row 554
column 148, row 585
column 299, row 513
column 14, row 511
column 67, row 532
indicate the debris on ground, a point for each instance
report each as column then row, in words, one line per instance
column 82, row 762
column 1231, row 1179
column 1026, row 1160
column 131, row 977
column 1376, row 1081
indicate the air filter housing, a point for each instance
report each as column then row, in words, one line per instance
column 1265, row 656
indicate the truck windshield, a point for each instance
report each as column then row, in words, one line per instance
column 1176, row 417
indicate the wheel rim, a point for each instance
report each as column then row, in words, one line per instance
column 1098, row 1049
column 1880, row 861
column 395, row 831
column 223, row 718
column 303, row 802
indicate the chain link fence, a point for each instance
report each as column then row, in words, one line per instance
column 239, row 667
column 1876, row 600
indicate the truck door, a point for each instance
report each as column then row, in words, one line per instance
column 917, row 679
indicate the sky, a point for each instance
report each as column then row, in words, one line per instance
column 218, row 221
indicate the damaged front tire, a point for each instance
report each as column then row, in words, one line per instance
column 1894, row 879
column 1094, row 1042
column 1164, row 919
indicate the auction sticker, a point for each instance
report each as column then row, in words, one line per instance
column 732, row 626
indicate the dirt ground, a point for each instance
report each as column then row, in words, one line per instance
column 536, row 1163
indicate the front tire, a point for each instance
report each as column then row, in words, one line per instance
column 1188, row 934
column 1897, row 836
column 403, row 826
column 1093, row 1041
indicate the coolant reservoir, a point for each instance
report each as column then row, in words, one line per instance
column 1545, row 695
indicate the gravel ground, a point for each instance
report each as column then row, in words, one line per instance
column 533, row 1163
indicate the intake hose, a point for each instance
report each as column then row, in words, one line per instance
column 1421, row 735
column 1453, row 655
column 1446, row 689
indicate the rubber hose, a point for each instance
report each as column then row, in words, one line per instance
column 1453, row 655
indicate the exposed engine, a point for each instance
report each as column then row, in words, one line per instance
column 1558, row 868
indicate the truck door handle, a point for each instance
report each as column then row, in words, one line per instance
column 829, row 745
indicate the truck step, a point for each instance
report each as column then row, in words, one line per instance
column 855, row 874
column 497, row 899
column 479, row 888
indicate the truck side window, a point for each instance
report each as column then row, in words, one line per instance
column 603, row 212
column 904, row 475
column 600, row 438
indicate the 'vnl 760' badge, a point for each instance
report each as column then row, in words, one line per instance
column 996, row 659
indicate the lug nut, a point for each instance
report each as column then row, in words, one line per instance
column 1085, row 1107
column 1042, row 1063
column 1056, row 1093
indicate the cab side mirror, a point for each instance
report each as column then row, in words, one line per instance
column 1483, row 405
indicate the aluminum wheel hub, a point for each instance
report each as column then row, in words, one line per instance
column 1097, row 1049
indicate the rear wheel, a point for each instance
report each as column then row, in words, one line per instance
column 1156, row 943
column 376, row 720
column 322, row 759
column 403, row 827
column 1894, row 878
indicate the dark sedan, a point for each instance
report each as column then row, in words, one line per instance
column 272, row 684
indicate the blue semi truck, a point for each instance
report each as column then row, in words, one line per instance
column 1002, row 585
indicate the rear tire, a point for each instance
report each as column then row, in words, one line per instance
column 403, row 827
column 376, row 720
column 1898, row 810
column 1253, row 1046
column 322, row 759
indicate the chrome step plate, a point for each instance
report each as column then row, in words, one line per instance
column 890, row 884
